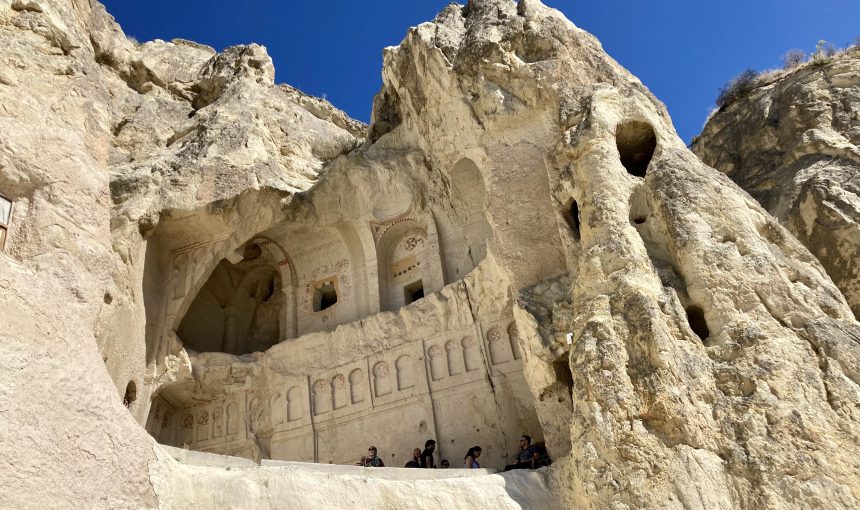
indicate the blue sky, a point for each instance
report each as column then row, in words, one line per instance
column 683, row 50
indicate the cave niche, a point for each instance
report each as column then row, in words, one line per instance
column 237, row 310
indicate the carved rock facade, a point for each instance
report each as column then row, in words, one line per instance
column 519, row 242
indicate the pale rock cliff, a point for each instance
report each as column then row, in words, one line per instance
column 712, row 363
column 793, row 143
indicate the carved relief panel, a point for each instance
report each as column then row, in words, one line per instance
column 471, row 353
column 382, row 380
column 456, row 363
column 454, row 359
column 322, row 396
column 357, row 386
column 514, row 337
column 203, row 425
column 344, row 390
column 499, row 346
column 277, row 407
column 398, row 374
column 294, row 404
column 218, row 422
column 233, row 418
column 340, row 392
column 438, row 362
column 405, row 372
column 502, row 344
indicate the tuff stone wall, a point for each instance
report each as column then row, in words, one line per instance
column 793, row 143
column 678, row 347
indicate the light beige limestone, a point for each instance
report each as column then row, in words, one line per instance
column 247, row 260
column 794, row 144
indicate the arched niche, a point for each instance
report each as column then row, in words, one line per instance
column 636, row 142
column 408, row 266
column 330, row 277
column 465, row 240
column 240, row 307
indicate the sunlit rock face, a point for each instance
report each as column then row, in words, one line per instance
column 793, row 143
column 519, row 242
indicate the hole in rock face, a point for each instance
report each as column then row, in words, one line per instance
column 561, row 367
column 108, row 298
column 572, row 216
column 639, row 220
column 636, row 142
column 237, row 309
column 696, row 318
column 252, row 252
column 130, row 394
column 325, row 297
column 413, row 292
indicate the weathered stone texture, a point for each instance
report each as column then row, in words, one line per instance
column 580, row 273
column 794, row 144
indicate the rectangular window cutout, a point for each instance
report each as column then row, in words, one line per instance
column 325, row 295
column 413, row 292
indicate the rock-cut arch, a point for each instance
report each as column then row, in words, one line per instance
column 469, row 198
column 408, row 267
column 238, row 310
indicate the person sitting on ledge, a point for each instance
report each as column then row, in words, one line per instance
column 445, row 464
column 427, row 460
column 470, row 461
column 416, row 459
column 527, row 457
column 372, row 460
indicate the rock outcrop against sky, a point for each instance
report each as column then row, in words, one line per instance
column 793, row 143
column 672, row 341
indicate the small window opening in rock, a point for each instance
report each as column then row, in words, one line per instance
column 325, row 296
column 572, row 217
column 414, row 291
column 108, row 298
column 636, row 142
column 5, row 217
column 639, row 220
column 561, row 367
column 252, row 251
column 696, row 318
column 130, row 394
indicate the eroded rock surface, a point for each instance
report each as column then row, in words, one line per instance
column 672, row 343
column 794, row 144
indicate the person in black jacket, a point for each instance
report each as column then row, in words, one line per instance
column 416, row 459
column 427, row 460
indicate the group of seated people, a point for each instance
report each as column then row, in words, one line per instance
column 529, row 457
